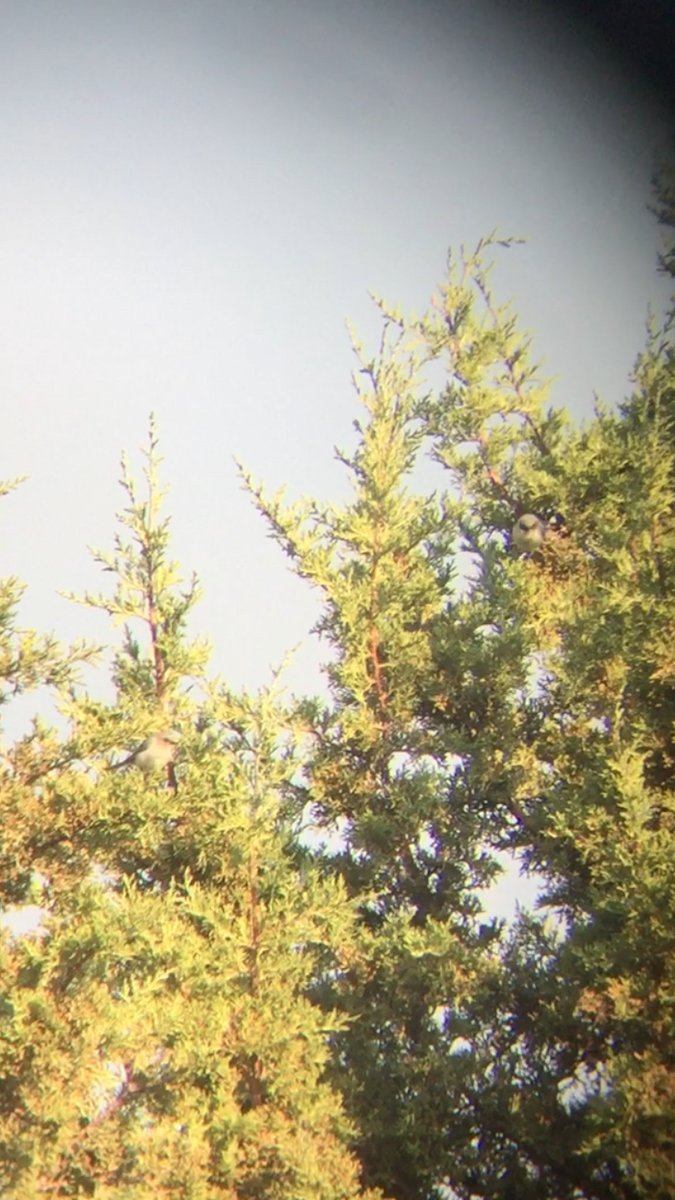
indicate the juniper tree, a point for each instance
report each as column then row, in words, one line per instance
column 527, row 710
column 408, row 765
column 582, row 1023
column 157, row 1034
column 168, row 1029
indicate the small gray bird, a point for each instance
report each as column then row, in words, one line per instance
column 529, row 532
column 156, row 752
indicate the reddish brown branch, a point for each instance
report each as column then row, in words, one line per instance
column 373, row 643
column 154, row 633
column 492, row 475
column 257, row 1092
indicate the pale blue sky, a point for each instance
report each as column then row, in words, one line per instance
column 194, row 196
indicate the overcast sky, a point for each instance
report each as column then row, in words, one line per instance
column 196, row 195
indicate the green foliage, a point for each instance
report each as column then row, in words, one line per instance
column 216, row 1004
column 526, row 705
column 158, row 1036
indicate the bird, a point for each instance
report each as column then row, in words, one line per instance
column 529, row 532
column 156, row 752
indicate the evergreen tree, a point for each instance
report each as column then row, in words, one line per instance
column 157, row 1035
column 204, row 984
column 528, row 709
column 408, row 766
column 596, row 607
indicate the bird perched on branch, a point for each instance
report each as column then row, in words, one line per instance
column 156, row 752
column 529, row 532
